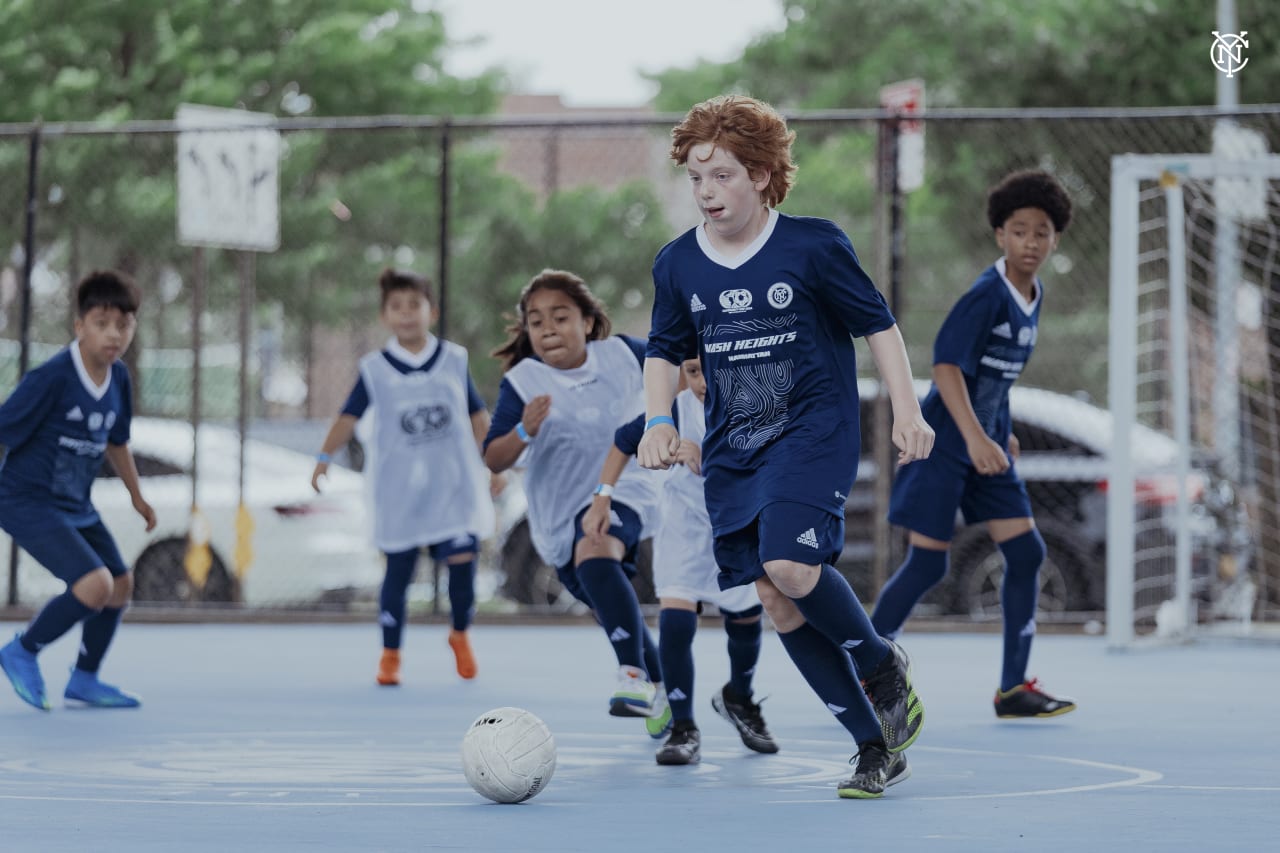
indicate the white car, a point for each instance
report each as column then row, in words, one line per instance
column 306, row 548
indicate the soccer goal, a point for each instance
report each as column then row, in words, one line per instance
column 1193, row 522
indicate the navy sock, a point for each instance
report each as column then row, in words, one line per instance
column 834, row 610
column 617, row 608
column 96, row 637
column 829, row 671
column 743, row 641
column 462, row 593
column 56, row 618
column 652, row 658
column 919, row 573
column 1022, row 558
column 391, row 601
column 675, row 648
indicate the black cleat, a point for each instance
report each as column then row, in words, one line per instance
column 870, row 773
column 683, row 746
column 898, row 771
column 746, row 718
column 1028, row 700
column 895, row 701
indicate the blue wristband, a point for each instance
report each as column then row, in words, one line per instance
column 659, row 419
column 324, row 457
column 522, row 432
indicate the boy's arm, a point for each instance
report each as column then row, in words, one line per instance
column 121, row 459
column 912, row 435
column 344, row 426
column 480, row 422
column 595, row 523
column 661, row 443
column 985, row 454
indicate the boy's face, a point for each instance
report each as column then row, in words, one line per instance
column 407, row 313
column 726, row 195
column 1027, row 238
column 104, row 334
column 692, row 371
column 557, row 328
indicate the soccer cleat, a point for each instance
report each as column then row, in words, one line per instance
column 895, row 701
column 898, row 771
column 84, row 688
column 870, row 773
column 24, row 674
column 466, row 661
column 745, row 717
column 684, row 746
column 659, row 722
column 1028, row 700
column 635, row 696
column 389, row 668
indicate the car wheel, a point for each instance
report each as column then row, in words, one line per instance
column 159, row 577
column 977, row 573
column 526, row 578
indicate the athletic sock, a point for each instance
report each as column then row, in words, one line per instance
column 96, row 637
column 391, row 601
column 462, row 593
column 919, row 573
column 829, row 671
column 617, row 608
column 743, row 641
column 676, row 628
column 1022, row 558
column 652, row 659
column 834, row 610
column 56, row 618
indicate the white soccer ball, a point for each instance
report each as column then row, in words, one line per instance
column 508, row 755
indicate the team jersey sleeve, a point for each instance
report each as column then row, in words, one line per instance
column 119, row 434
column 672, row 336
column 507, row 412
column 849, row 292
column 963, row 337
column 357, row 400
column 638, row 347
column 627, row 437
column 474, row 401
column 28, row 407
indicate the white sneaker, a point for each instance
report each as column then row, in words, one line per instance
column 658, row 723
column 635, row 694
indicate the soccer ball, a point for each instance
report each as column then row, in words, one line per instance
column 508, row 755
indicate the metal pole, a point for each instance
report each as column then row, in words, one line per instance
column 197, row 306
column 1180, row 393
column 890, row 254
column 1227, row 263
column 443, row 275
column 24, row 325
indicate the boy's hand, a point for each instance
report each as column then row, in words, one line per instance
column 659, row 447
column 148, row 514
column 913, row 438
column 1015, row 447
column 987, row 457
column 690, row 456
column 321, row 470
column 595, row 522
column 535, row 413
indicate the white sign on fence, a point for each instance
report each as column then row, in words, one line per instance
column 907, row 98
column 228, row 179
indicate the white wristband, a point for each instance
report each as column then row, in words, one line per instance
column 604, row 489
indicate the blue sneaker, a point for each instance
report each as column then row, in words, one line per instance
column 85, row 688
column 24, row 674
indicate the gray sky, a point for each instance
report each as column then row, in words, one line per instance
column 590, row 51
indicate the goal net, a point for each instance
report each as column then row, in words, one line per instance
column 1193, row 524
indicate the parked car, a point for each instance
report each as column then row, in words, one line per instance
column 1063, row 441
column 306, row 548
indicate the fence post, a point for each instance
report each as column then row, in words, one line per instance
column 443, row 275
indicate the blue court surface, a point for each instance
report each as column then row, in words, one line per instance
column 275, row 738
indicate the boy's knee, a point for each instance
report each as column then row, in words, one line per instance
column 121, row 591
column 782, row 610
column 95, row 589
column 792, row 579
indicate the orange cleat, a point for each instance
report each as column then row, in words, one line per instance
column 389, row 668
column 462, row 651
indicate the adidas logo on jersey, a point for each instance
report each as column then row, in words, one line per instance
column 808, row 538
column 75, row 414
column 1004, row 330
column 696, row 304
column 619, row 634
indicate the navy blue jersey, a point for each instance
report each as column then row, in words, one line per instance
column 989, row 335
column 55, row 428
column 774, row 331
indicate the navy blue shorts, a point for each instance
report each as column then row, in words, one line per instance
column 782, row 531
column 625, row 526
column 68, row 551
column 927, row 493
column 467, row 543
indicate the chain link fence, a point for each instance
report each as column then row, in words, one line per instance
column 481, row 205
